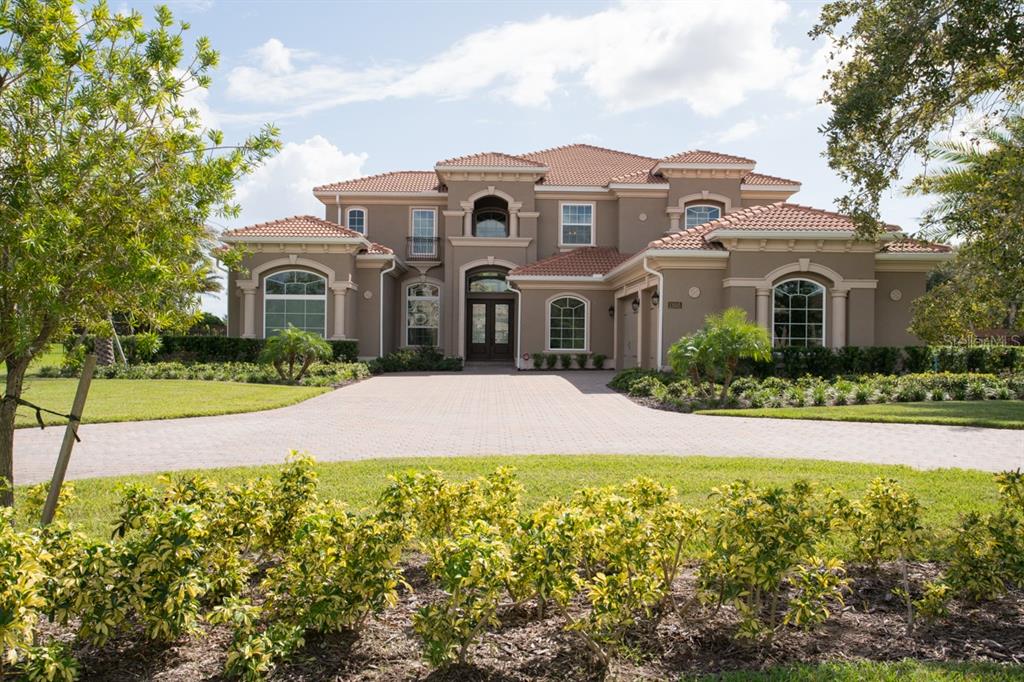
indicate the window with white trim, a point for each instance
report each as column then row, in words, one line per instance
column 567, row 324
column 424, row 232
column 798, row 313
column 355, row 219
column 700, row 214
column 577, row 224
column 422, row 314
column 297, row 298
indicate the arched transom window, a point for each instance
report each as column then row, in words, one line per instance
column 356, row 220
column 297, row 298
column 422, row 314
column 487, row 282
column 798, row 313
column 698, row 215
column 567, row 323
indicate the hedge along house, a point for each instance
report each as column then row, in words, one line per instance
column 576, row 249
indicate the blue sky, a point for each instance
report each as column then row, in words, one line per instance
column 362, row 88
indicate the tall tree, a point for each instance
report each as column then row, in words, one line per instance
column 980, row 205
column 909, row 68
column 107, row 179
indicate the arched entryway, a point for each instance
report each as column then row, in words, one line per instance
column 490, row 315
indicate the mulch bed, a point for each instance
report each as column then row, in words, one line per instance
column 870, row 626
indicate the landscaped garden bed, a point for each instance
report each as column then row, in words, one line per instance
column 458, row 579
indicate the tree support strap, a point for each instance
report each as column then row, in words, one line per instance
column 39, row 413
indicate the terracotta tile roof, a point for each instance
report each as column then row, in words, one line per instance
column 582, row 262
column 491, row 159
column 762, row 179
column 640, row 177
column 704, row 156
column 587, row 165
column 300, row 226
column 915, row 246
column 376, row 248
column 690, row 239
column 398, row 181
column 784, row 216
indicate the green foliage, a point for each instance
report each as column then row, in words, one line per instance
column 565, row 360
column 550, row 361
column 21, row 595
column 108, row 177
column 598, row 360
column 712, row 355
column 419, row 359
column 473, row 567
column 292, row 351
column 538, row 360
column 147, row 345
column 581, row 360
column 907, row 71
column 51, row 663
column 759, row 539
column 320, row 374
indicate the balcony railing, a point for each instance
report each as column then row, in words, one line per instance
column 423, row 248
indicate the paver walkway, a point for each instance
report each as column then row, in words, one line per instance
column 494, row 413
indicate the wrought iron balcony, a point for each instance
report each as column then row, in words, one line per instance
column 423, row 248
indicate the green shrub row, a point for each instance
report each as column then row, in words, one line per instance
column 419, row 359
column 319, row 374
column 140, row 348
column 795, row 362
column 274, row 562
column 568, row 360
column 682, row 394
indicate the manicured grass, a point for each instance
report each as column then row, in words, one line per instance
column 115, row 400
column 944, row 493
column 999, row 414
column 919, row 671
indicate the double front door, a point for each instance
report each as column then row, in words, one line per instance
column 489, row 329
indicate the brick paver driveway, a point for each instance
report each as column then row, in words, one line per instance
column 507, row 413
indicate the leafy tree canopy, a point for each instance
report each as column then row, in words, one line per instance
column 908, row 68
column 980, row 205
column 107, row 178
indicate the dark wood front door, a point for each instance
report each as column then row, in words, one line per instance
column 490, row 329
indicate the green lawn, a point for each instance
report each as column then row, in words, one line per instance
column 999, row 414
column 115, row 400
column 944, row 493
column 919, row 671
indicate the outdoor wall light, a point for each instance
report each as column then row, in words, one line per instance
column 611, row 311
column 636, row 304
column 655, row 298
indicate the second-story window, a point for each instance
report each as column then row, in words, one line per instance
column 355, row 219
column 490, row 222
column 424, row 232
column 698, row 215
column 577, row 225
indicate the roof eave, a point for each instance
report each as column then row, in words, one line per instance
column 643, row 185
column 570, row 188
column 725, row 233
column 242, row 239
column 491, row 169
column 596, row 277
column 334, row 194
column 746, row 187
column 914, row 255
column 702, row 166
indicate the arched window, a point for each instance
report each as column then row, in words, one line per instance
column 355, row 219
column 297, row 298
column 798, row 313
column 490, row 217
column 422, row 314
column 698, row 215
column 487, row 282
column 567, row 323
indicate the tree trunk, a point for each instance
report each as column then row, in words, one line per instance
column 16, row 368
column 104, row 352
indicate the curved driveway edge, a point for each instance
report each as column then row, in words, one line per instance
column 399, row 415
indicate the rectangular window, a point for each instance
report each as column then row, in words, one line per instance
column 577, row 226
column 357, row 220
column 424, row 232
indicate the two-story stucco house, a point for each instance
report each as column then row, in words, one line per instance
column 568, row 250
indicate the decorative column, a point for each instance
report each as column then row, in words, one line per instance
column 762, row 307
column 839, row 317
column 248, row 288
column 513, row 218
column 338, row 291
column 674, row 215
column 467, row 220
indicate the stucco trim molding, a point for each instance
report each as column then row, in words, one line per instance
column 803, row 265
column 519, row 242
column 289, row 261
column 460, row 331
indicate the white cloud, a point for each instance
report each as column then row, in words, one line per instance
column 283, row 186
column 739, row 131
column 632, row 55
column 807, row 84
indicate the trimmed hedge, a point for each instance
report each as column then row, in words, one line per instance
column 424, row 359
column 214, row 349
column 319, row 374
column 854, row 360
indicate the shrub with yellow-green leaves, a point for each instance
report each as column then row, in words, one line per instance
column 759, row 540
column 21, row 589
column 473, row 567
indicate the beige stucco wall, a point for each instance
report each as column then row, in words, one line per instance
column 606, row 230
column 635, row 234
column 893, row 317
column 683, row 187
column 690, row 317
column 534, row 333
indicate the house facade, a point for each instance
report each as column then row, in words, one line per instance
column 575, row 249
